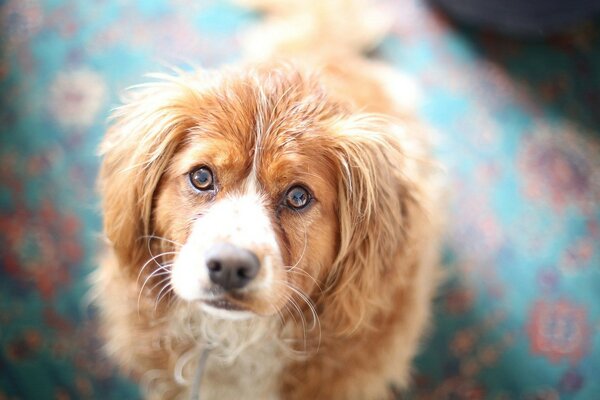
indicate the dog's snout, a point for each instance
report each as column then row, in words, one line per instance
column 231, row 267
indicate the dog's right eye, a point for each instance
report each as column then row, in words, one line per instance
column 202, row 179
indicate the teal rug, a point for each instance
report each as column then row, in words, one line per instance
column 518, row 129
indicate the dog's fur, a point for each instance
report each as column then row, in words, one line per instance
column 343, row 294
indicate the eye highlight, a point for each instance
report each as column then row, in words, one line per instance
column 297, row 197
column 202, row 179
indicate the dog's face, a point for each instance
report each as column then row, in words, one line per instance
column 263, row 192
column 253, row 208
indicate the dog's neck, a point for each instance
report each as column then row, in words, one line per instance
column 245, row 356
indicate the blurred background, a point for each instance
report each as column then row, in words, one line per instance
column 518, row 129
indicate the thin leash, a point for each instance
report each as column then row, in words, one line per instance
column 195, row 392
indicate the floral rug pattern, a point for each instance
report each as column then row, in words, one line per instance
column 517, row 128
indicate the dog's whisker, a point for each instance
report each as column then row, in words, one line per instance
column 315, row 318
column 150, row 237
column 158, row 270
column 169, row 288
column 149, row 261
column 301, row 254
column 153, row 257
column 291, row 313
column 316, row 323
column 296, row 289
column 310, row 305
column 286, row 308
column 162, row 280
column 301, row 272
column 162, row 269
column 302, row 318
column 294, row 268
column 289, row 300
column 305, row 246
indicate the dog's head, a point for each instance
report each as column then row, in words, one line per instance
column 255, row 191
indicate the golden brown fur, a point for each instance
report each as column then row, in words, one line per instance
column 351, row 297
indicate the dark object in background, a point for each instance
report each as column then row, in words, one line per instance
column 521, row 17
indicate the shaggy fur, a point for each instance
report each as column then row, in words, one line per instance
column 343, row 295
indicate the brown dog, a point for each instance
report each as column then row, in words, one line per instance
column 281, row 215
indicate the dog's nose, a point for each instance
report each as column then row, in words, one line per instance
column 231, row 267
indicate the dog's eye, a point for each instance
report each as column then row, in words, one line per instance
column 202, row 178
column 297, row 197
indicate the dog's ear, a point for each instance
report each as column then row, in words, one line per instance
column 136, row 150
column 379, row 164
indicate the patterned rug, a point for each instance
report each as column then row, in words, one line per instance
column 517, row 126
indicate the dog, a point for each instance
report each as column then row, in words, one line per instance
column 272, row 227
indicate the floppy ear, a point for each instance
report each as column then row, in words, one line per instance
column 379, row 201
column 136, row 151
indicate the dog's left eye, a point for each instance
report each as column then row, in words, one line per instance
column 297, row 197
column 202, row 178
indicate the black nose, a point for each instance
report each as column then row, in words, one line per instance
column 231, row 267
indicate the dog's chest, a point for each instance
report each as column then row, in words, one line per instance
column 253, row 374
column 245, row 361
